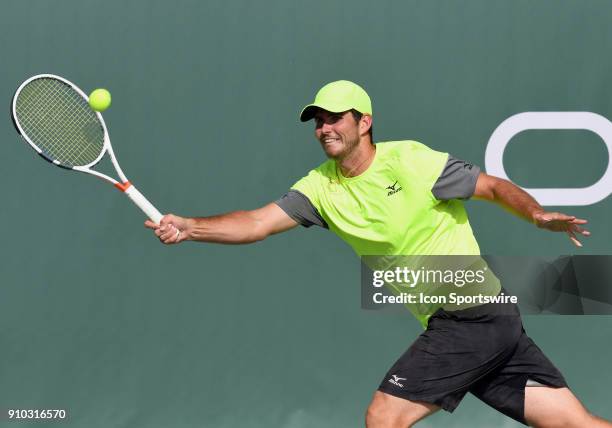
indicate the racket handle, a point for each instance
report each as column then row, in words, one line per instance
column 142, row 203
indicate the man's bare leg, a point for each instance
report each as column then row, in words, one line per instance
column 388, row 411
column 557, row 407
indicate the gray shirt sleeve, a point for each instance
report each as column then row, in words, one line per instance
column 299, row 208
column 457, row 180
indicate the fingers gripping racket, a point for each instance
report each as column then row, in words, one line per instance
column 54, row 117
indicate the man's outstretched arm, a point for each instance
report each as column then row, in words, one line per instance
column 237, row 227
column 522, row 204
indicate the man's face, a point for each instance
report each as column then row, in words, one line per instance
column 338, row 133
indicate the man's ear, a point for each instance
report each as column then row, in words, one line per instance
column 365, row 123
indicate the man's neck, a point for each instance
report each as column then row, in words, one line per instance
column 356, row 162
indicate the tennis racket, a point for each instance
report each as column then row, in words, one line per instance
column 53, row 116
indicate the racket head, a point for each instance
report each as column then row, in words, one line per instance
column 53, row 116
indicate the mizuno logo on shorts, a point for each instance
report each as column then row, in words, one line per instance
column 396, row 379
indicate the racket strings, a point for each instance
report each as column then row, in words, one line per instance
column 59, row 121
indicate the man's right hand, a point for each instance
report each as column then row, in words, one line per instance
column 171, row 229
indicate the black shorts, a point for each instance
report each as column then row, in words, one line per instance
column 483, row 350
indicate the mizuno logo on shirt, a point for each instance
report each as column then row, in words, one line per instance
column 396, row 379
column 393, row 188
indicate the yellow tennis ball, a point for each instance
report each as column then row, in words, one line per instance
column 100, row 99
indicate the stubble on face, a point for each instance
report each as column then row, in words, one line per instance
column 338, row 133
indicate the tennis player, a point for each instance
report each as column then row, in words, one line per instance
column 403, row 198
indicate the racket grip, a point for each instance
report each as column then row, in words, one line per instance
column 142, row 203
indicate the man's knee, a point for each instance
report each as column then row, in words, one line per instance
column 375, row 415
column 557, row 408
column 389, row 411
column 566, row 420
column 380, row 415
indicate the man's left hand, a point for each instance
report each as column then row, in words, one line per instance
column 559, row 222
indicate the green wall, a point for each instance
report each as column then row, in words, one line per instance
column 100, row 319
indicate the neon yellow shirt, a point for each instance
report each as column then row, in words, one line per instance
column 389, row 209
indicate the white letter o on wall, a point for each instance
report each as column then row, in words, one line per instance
column 553, row 120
